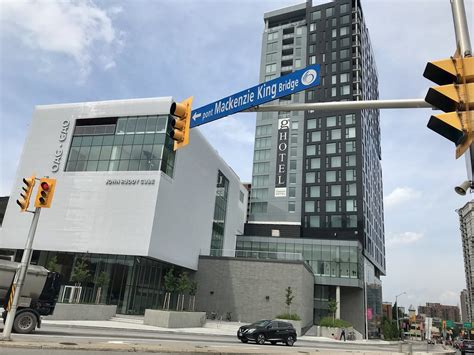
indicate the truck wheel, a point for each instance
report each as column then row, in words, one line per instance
column 25, row 322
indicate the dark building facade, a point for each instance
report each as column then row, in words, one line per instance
column 328, row 187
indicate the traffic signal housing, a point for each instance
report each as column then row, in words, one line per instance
column 24, row 200
column 45, row 193
column 181, row 122
column 455, row 96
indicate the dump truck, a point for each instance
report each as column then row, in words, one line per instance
column 39, row 295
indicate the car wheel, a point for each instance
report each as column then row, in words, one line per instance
column 244, row 340
column 260, row 339
column 24, row 323
column 273, row 342
column 290, row 340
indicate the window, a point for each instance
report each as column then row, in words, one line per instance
column 351, row 189
column 344, row 53
column 309, row 206
column 351, row 221
column 272, row 57
column 336, row 221
column 310, row 178
column 297, row 63
column 292, row 178
column 299, row 30
column 316, row 15
column 291, row 206
column 259, row 194
column 334, row 134
column 345, row 90
column 312, row 59
column 333, row 67
column 312, row 38
column 315, row 163
column 331, row 176
column 331, row 206
column 292, row 192
column 312, row 47
column 351, row 175
column 343, row 31
column 313, row 191
column 241, row 196
column 331, row 121
column 344, row 8
column 335, row 162
column 265, row 130
column 330, row 148
column 258, row 207
column 292, row 164
column 345, row 19
column 294, row 125
column 333, row 79
column 333, row 56
column 350, row 119
column 272, row 36
column 350, row 132
column 270, row 68
column 312, row 123
column 329, row 11
column 293, row 152
column 313, row 221
column 350, row 160
column 345, row 42
column 271, row 47
column 270, row 77
column 261, row 180
column 345, row 65
column 259, row 168
column 294, row 138
column 263, row 142
column 351, row 205
column 334, row 33
column 333, row 91
column 310, row 150
column 310, row 95
column 335, row 190
column 259, row 155
column 298, row 41
column 350, row 147
column 312, row 27
column 316, row 136
column 344, row 78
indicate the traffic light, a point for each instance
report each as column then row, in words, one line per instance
column 24, row 200
column 180, row 123
column 455, row 96
column 45, row 193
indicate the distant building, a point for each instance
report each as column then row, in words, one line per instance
column 466, row 225
column 412, row 313
column 465, row 313
column 3, row 207
column 437, row 310
column 387, row 310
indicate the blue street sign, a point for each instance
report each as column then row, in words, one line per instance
column 257, row 95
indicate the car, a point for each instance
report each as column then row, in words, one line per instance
column 467, row 347
column 268, row 330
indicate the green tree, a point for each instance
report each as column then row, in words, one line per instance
column 170, row 287
column 192, row 292
column 182, row 285
column 52, row 264
column 80, row 273
column 289, row 298
column 332, row 307
column 102, row 280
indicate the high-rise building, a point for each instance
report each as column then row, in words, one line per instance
column 317, row 176
column 441, row 311
column 466, row 223
column 465, row 313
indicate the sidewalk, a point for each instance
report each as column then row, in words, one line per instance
column 211, row 327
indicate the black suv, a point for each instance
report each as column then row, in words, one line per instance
column 268, row 330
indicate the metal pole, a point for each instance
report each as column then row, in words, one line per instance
column 463, row 42
column 346, row 105
column 396, row 310
column 20, row 276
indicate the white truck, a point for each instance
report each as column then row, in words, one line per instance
column 39, row 295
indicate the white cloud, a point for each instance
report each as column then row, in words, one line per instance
column 69, row 28
column 400, row 195
column 404, row 238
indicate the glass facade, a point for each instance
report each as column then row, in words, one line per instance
column 220, row 208
column 122, row 144
column 133, row 283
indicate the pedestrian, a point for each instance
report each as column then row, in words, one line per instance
column 343, row 334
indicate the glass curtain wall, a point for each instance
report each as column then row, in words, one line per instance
column 218, row 224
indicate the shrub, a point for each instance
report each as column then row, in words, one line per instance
column 336, row 323
column 289, row 316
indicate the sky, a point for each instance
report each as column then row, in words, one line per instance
column 73, row 51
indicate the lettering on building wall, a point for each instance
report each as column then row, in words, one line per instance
column 58, row 154
column 130, row 182
column 282, row 157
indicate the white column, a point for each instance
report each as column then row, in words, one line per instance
column 338, row 301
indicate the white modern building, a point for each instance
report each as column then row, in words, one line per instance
column 125, row 203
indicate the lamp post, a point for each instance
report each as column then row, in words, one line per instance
column 396, row 310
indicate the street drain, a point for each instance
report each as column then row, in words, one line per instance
column 66, row 343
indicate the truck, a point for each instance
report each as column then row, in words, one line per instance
column 38, row 298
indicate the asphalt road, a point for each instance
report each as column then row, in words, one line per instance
column 73, row 335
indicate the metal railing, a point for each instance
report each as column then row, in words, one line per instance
column 251, row 254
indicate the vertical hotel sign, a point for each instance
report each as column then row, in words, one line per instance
column 282, row 157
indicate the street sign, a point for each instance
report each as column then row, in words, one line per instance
column 467, row 325
column 257, row 95
column 449, row 324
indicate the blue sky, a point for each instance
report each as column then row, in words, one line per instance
column 57, row 52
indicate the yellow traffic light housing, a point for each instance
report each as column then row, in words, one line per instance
column 24, row 200
column 44, row 197
column 455, row 96
column 181, row 123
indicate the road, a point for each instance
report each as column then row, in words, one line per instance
column 69, row 336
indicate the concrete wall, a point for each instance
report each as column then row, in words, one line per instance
column 241, row 286
column 67, row 311
column 352, row 307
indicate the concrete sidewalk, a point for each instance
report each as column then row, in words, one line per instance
column 211, row 327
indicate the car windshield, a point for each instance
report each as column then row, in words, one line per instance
column 260, row 323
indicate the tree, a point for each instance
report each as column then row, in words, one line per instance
column 192, row 292
column 52, row 264
column 332, row 307
column 289, row 298
column 80, row 273
column 170, row 287
column 182, row 285
column 102, row 280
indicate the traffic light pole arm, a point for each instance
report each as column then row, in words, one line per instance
column 345, row 105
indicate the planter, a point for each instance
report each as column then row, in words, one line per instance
column 174, row 319
column 77, row 311
column 296, row 324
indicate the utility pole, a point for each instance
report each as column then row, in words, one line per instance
column 396, row 311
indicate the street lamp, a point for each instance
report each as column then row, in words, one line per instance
column 396, row 310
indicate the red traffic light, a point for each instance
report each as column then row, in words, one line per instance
column 45, row 186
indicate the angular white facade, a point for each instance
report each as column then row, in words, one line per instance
column 140, row 213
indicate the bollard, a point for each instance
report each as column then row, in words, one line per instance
column 410, row 349
column 400, row 348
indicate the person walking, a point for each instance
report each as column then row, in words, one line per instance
column 343, row 334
